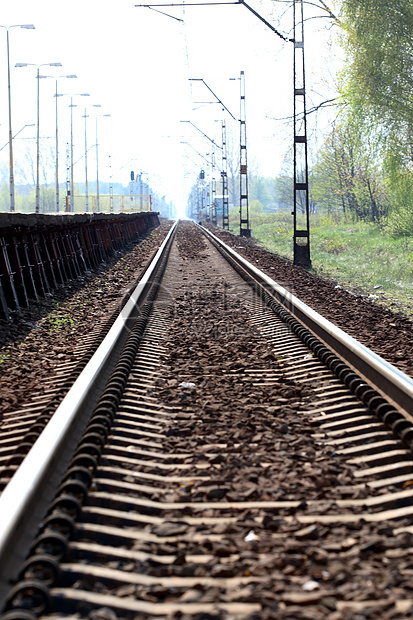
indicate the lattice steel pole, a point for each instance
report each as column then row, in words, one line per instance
column 214, row 218
column 302, row 228
column 224, row 177
column 198, row 200
column 244, row 223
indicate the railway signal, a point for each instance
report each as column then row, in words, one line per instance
column 301, row 235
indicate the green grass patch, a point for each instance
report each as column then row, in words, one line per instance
column 359, row 255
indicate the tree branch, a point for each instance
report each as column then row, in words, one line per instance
column 324, row 104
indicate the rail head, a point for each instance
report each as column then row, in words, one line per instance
column 394, row 385
column 40, row 472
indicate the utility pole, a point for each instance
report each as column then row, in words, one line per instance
column 244, row 223
column 214, row 218
column 198, row 200
column 131, row 184
column 301, row 229
column 110, row 185
column 301, row 235
column 206, row 198
column 86, row 181
column 224, row 177
column 68, row 186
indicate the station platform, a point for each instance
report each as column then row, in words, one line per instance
column 40, row 252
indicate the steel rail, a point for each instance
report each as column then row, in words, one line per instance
column 108, row 490
column 389, row 381
column 41, row 472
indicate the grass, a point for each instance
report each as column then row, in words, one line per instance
column 60, row 321
column 359, row 255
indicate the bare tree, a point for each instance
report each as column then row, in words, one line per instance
column 25, row 165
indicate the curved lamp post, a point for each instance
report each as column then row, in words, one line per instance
column 92, row 105
column 57, row 133
column 71, row 191
column 97, row 162
column 30, row 64
column 11, row 165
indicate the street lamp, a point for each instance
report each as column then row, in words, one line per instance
column 30, row 64
column 11, row 167
column 97, row 162
column 57, row 134
column 93, row 105
column 72, row 105
column 110, row 185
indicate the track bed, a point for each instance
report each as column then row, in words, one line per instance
column 233, row 475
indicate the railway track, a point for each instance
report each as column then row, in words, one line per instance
column 216, row 459
column 21, row 424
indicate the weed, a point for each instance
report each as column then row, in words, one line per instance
column 332, row 246
column 59, row 322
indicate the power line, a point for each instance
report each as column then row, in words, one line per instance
column 270, row 26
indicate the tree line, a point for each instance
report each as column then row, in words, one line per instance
column 365, row 166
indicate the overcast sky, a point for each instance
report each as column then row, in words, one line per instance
column 136, row 64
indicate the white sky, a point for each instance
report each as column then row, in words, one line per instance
column 135, row 63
